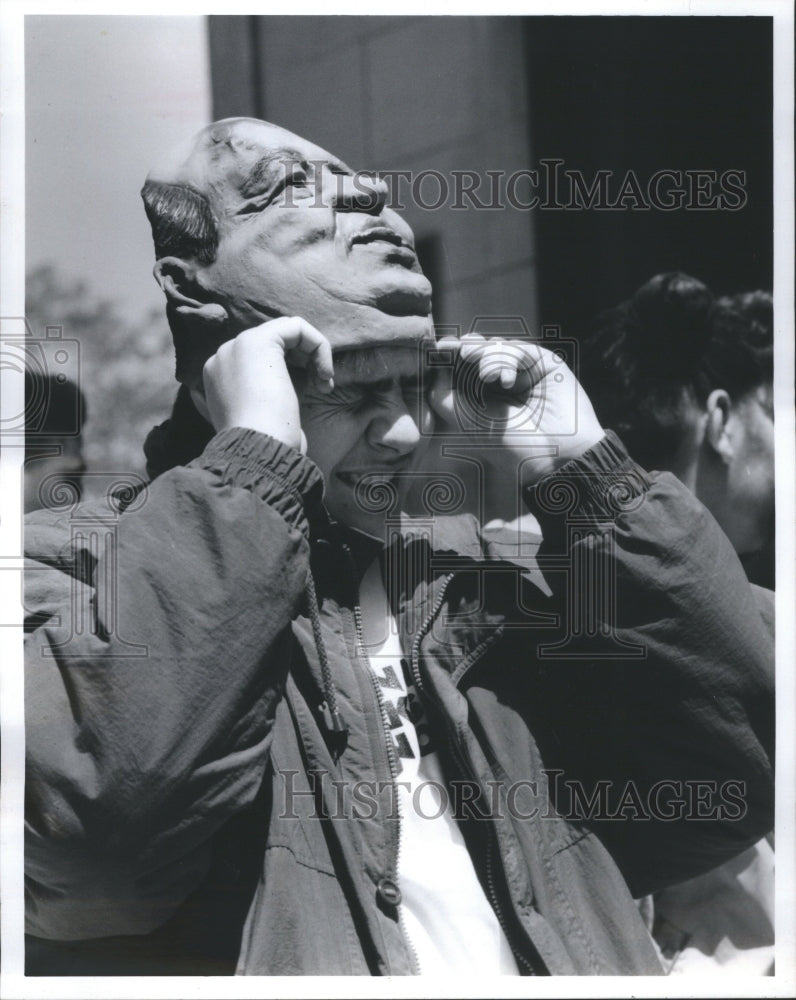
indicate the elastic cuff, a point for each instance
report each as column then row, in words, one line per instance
column 283, row 477
column 601, row 483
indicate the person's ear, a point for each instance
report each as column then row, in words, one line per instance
column 177, row 278
column 717, row 430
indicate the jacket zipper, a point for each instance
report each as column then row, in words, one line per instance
column 394, row 770
column 466, row 769
column 415, row 654
column 496, row 905
column 492, row 891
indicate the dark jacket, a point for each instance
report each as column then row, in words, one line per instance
column 194, row 808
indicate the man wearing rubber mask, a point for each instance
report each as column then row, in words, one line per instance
column 335, row 756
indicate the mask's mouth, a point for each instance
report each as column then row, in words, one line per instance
column 387, row 241
column 378, row 234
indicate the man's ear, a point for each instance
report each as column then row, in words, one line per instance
column 717, row 434
column 177, row 278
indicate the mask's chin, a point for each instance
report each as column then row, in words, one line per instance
column 393, row 319
column 365, row 325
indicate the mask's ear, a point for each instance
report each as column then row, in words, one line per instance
column 717, row 430
column 177, row 279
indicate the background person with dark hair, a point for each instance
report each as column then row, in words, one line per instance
column 686, row 380
column 55, row 410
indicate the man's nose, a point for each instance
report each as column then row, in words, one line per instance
column 358, row 192
column 395, row 431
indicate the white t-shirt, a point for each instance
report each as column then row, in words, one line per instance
column 443, row 909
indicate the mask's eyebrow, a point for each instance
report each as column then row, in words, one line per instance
column 267, row 170
column 338, row 167
column 272, row 167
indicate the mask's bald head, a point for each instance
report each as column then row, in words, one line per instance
column 251, row 222
column 220, row 154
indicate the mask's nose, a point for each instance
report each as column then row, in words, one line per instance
column 358, row 193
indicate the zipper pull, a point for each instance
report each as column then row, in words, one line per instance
column 338, row 726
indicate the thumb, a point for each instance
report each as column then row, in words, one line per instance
column 441, row 395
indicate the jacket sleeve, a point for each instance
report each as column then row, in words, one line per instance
column 153, row 667
column 657, row 691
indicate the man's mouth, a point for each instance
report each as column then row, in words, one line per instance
column 373, row 478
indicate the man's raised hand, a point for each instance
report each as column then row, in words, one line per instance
column 247, row 382
column 519, row 400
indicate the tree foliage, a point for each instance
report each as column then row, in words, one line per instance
column 126, row 366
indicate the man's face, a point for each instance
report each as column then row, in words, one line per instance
column 301, row 235
column 750, row 477
column 369, row 434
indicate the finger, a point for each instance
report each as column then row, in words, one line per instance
column 442, row 401
column 518, row 360
column 464, row 350
column 507, row 359
column 489, row 364
column 441, row 388
column 323, row 365
column 448, row 342
column 534, row 364
column 500, row 362
column 471, row 345
column 306, row 346
column 446, row 351
column 508, row 374
column 521, row 366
